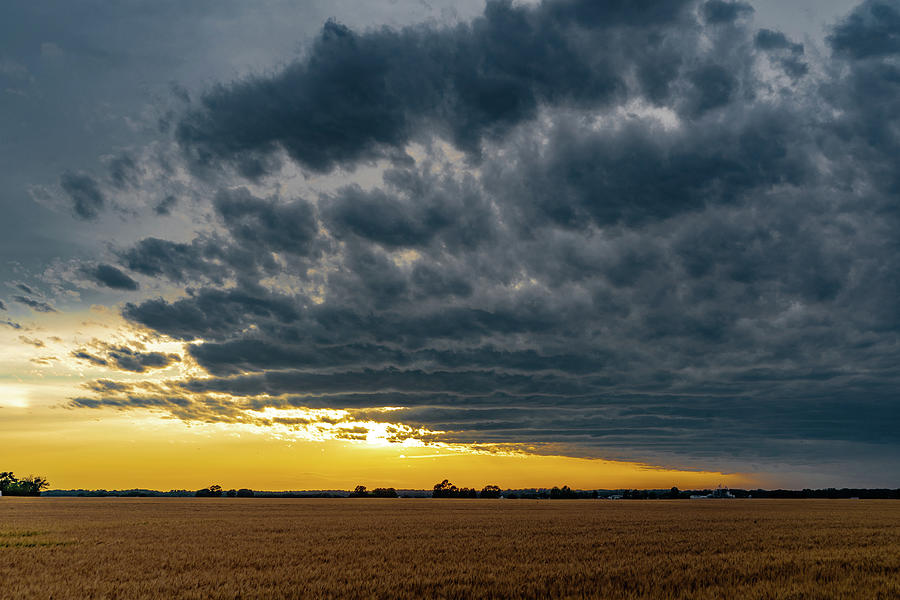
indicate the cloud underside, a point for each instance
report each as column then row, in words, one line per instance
column 667, row 235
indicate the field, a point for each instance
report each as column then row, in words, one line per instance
column 423, row 548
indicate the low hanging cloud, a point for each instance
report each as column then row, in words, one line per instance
column 623, row 229
column 123, row 358
column 31, row 341
column 35, row 304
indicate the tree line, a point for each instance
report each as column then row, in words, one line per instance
column 10, row 485
column 216, row 491
column 445, row 489
column 32, row 485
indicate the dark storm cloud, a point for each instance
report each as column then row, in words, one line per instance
column 718, row 11
column 178, row 262
column 766, row 39
column 213, row 314
column 414, row 209
column 356, row 96
column 35, row 305
column 867, row 95
column 642, row 173
column 255, row 354
column 111, row 277
column 655, row 246
column 267, row 224
column 84, row 194
column 786, row 53
column 871, row 30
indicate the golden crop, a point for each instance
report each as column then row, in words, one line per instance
column 424, row 548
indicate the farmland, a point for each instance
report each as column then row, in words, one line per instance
column 419, row 548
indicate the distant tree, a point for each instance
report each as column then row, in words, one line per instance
column 36, row 484
column 231, row 493
column 384, row 493
column 244, row 493
column 359, row 492
column 674, row 493
column 213, row 491
column 564, row 493
column 32, row 485
column 445, row 489
column 490, row 491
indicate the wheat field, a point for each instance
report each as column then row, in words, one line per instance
column 423, row 548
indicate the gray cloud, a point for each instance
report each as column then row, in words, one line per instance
column 27, row 289
column 138, row 362
column 871, row 30
column 84, row 193
column 267, row 224
column 356, row 97
column 718, row 11
column 125, row 359
column 178, row 262
column 414, row 209
column 124, row 171
column 111, row 277
column 90, row 358
column 35, row 305
column 165, row 206
column 211, row 313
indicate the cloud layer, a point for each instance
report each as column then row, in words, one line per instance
column 624, row 229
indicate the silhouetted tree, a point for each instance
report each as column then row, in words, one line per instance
column 213, row 491
column 564, row 493
column 32, row 485
column 445, row 489
column 490, row 491
column 384, row 493
column 244, row 493
column 231, row 493
column 359, row 492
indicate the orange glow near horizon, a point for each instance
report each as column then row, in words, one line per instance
column 108, row 450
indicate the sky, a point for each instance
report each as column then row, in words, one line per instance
column 310, row 245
